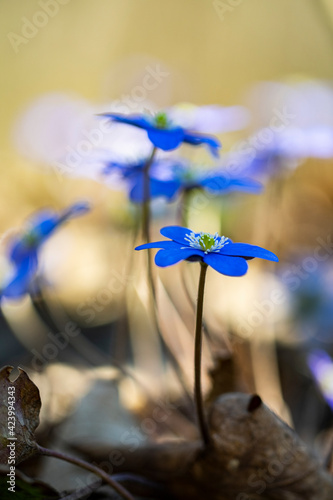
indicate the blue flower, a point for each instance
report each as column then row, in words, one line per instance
column 321, row 366
column 23, row 249
column 164, row 134
column 209, row 119
column 160, row 181
column 215, row 181
column 216, row 251
column 168, row 178
column 310, row 304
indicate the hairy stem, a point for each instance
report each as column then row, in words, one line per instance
column 197, row 359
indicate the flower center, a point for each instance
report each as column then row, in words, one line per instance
column 206, row 242
column 161, row 120
column 188, row 176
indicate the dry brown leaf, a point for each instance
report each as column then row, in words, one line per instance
column 23, row 421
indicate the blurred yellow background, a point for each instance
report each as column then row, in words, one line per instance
column 210, row 52
column 201, row 51
column 213, row 50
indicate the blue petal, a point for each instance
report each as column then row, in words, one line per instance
column 159, row 244
column 47, row 227
column 220, row 183
column 246, row 250
column 18, row 250
column 135, row 120
column 176, row 233
column 166, row 139
column 247, row 185
column 166, row 188
column 136, row 193
column 196, row 139
column 19, row 284
column 75, row 210
column 112, row 165
column 43, row 223
column 230, row 266
column 126, row 169
column 40, row 226
column 216, row 183
column 157, row 188
column 166, row 258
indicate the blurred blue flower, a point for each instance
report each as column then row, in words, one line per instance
column 294, row 121
column 321, row 366
column 164, row 134
column 213, row 180
column 263, row 161
column 23, row 249
column 161, row 183
column 216, row 251
column 209, row 119
column 311, row 300
column 168, row 178
column 270, row 153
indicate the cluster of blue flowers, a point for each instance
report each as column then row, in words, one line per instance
column 148, row 178
column 165, row 177
column 169, row 177
column 218, row 252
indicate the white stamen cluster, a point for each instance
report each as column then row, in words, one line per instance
column 206, row 242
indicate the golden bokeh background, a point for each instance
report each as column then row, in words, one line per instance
column 211, row 52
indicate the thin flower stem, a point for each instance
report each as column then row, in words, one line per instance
column 83, row 492
column 197, row 359
column 146, row 237
column 165, row 349
column 191, row 301
column 146, row 222
column 185, row 207
column 83, row 347
column 85, row 465
column 146, row 198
